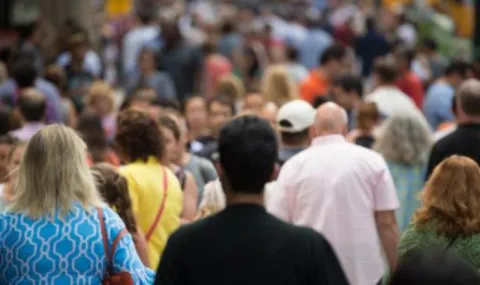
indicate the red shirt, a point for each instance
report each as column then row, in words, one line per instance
column 411, row 85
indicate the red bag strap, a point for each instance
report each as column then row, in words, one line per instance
column 162, row 206
column 109, row 253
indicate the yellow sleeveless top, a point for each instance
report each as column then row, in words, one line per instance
column 146, row 188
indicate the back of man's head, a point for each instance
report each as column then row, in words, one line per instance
column 350, row 83
column 385, row 71
column 248, row 151
column 458, row 67
column 32, row 105
column 335, row 52
column 331, row 119
column 468, row 96
column 24, row 73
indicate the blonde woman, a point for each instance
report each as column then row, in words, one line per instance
column 100, row 99
column 277, row 85
column 232, row 88
column 52, row 230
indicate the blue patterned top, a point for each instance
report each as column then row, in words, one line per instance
column 409, row 182
column 68, row 251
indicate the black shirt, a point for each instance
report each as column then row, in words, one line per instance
column 245, row 245
column 465, row 140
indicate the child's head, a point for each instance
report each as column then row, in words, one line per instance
column 114, row 189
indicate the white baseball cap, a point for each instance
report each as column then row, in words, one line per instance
column 295, row 116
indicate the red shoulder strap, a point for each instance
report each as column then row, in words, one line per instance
column 162, row 206
column 109, row 253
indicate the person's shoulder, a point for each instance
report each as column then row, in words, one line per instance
column 445, row 141
column 190, row 232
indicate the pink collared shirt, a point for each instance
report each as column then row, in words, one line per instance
column 336, row 187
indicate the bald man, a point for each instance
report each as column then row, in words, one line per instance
column 465, row 140
column 346, row 193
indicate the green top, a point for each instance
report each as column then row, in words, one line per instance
column 427, row 237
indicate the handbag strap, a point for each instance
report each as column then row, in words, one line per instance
column 109, row 253
column 162, row 206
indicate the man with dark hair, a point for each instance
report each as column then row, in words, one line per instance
column 25, row 75
column 294, row 120
column 436, row 61
column 348, row 93
column 465, row 140
column 32, row 106
column 387, row 97
column 408, row 81
column 297, row 71
column 220, row 110
column 229, row 40
column 370, row 46
column 319, row 80
column 244, row 244
column 438, row 102
column 135, row 39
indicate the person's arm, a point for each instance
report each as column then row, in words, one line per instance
column 389, row 235
column 190, row 196
column 280, row 200
column 141, row 246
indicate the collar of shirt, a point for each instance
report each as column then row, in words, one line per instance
column 328, row 139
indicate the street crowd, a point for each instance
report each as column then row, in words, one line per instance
column 234, row 143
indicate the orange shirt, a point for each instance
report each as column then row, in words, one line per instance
column 314, row 85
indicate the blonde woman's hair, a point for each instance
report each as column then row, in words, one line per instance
column 278, row 86
column 231, row 87
column 54, row 175
column 451, row 198
column 100, row 89
column 405, row 138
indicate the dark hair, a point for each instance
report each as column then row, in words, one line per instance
column 222, row 100
column 169, row 123
column 138, row 136
column 4, row 120
column 292, row 53
column 114, row 189
column 164, row 103
column 32, row 109
column 351, row 83
column 208, row 48
column 434, row 267
column 459, row 67
column 8, row 139
column 370, row 23
column 24, row 73
column 227, row 27
column 145, row 17
column 334, row 52
column 385, row 70
column 294, row 138
column 248, row 151
column 406, row 54
column 430, row 44
column 320, row 100
column 91, row 131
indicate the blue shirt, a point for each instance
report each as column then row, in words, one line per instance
column 54, row 107
column 438, row 104
column 68, row 251
column 312, row 48
column 228, row 43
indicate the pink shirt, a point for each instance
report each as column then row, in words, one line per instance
column 335, row 187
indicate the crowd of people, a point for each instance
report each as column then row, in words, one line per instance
column 254, row 146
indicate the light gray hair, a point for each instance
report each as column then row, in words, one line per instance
column 405, row 138
column 54, row 175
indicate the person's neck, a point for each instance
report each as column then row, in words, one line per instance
column 185, row 157
column 303, row 144
column 243, row 198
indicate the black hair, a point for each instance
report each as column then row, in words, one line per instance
column 222, row 100
column 248, row 151
column 293, row 139
column 459, row 67
column 434, row 267
column 227, row 27
column 351, row 83
column 32, row 109
column 169, row 123
column 24, row 73
column 292, row 53
column 370, row 23
column 334, row 52
column 4, row 120
column 320, row 100
column 145, row 17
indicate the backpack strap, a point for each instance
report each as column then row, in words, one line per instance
column 149, row 233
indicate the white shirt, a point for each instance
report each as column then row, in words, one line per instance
column 391, row 100
column 134, row 42
column 336, row 187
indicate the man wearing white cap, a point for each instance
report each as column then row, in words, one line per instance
column 294, row 120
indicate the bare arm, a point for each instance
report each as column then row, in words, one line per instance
column 389, row 235
column 190, row 196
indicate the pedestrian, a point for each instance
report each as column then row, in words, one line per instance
column 243, row 243
column 346, row 193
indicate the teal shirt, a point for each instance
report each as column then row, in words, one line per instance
column 409, row 182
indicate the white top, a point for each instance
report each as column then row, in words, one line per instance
column 133, row 43
column 336, row 187
column 390, row 100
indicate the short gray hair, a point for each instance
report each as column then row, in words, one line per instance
column 405, row 138
column 469, row 97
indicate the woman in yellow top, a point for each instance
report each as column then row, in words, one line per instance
column 155, row 192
